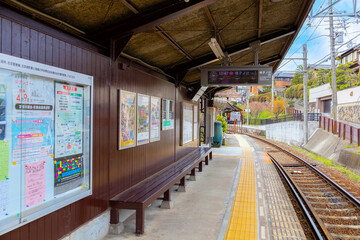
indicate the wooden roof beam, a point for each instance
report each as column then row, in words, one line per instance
column 260, row 17
column 155, row 16
column 207, row 59
column 213, row 25
column 160, row 31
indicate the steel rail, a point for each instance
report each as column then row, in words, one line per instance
column 309, row 215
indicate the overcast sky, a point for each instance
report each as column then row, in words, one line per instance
column 315, row 32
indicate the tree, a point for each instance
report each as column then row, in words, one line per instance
column 266, row 89
column 279, row 107
column 256, row 108
column 298, row 76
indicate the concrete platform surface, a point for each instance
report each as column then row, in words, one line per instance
column 197, row 213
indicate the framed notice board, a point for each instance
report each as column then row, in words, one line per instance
column 45, row 139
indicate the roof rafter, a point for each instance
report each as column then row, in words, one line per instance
column 161, row 32
column 231, row 50
column 153, row 17
column 212, row 22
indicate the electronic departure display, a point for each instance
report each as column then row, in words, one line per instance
column 236, row 75
column 233, row 77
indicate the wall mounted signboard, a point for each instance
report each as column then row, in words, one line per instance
column 167, row 109
column 236, row 75
column 143, row 119
column 127, row 119
column 45, row 139
column 155, row 119
column 187, row 123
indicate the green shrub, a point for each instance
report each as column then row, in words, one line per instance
column 223, row 122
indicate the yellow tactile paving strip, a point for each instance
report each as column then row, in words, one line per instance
column 243, row 217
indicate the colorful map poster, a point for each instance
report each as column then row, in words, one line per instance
column 127, row 120
column 69, row 101
column 187, row 123
column 167, row 114
column 143, row 118
column 32, row 121
column 35, row 187
column 67, row 169
column 155, row 119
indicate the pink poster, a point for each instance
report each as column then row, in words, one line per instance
column 34, row 183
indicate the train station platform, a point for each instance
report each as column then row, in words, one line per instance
column 239, row 195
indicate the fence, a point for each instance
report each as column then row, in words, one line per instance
column 347, row 132
column 292, row 117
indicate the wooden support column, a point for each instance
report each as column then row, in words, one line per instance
column 118, row 45
column 114, row 216
column 351, row 134
column 200, row 166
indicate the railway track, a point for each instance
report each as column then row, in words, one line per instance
column 331, row 211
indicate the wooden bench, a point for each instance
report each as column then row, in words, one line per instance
column 144, row 193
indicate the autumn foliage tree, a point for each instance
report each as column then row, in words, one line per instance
column 256, row 108
column 279, row 107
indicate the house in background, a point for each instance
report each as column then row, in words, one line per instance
column 348, row 109
column 352, row 55
column 283, row 80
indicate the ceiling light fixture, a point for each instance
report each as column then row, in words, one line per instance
column 215, row 47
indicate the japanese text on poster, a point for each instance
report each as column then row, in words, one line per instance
column 35, row 187
column 68, row 120
column 187, row 123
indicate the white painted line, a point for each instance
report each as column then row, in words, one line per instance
column 263, row 234
column 261, row 211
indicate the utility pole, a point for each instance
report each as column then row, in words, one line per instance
column 248, row 105
column 305, row 94
column 272, row 92
column 333, row 67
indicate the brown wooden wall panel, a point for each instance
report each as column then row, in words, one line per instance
column 113, row 170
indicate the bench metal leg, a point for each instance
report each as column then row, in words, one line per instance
column 181, row 185
column 210, row 155
column 167, row 203
column 192, row 175
column 140, row 220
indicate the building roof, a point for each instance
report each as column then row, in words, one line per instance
column 350, row 50
column 284, row 75
column 231, row 93
column 173, row 35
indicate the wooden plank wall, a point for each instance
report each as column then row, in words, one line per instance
column 113, row 170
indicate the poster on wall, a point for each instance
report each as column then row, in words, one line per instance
column 155, row 119
column 33, row 119
column 187, row 123
column 127, row 120
column 196, row 122
column 143, row 119
column 69, row 101
column 167, row 114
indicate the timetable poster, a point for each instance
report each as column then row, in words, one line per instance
column 127, row 119
column 33, row 119
column 68, row 120
column 155, row 119
column 143, row 118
